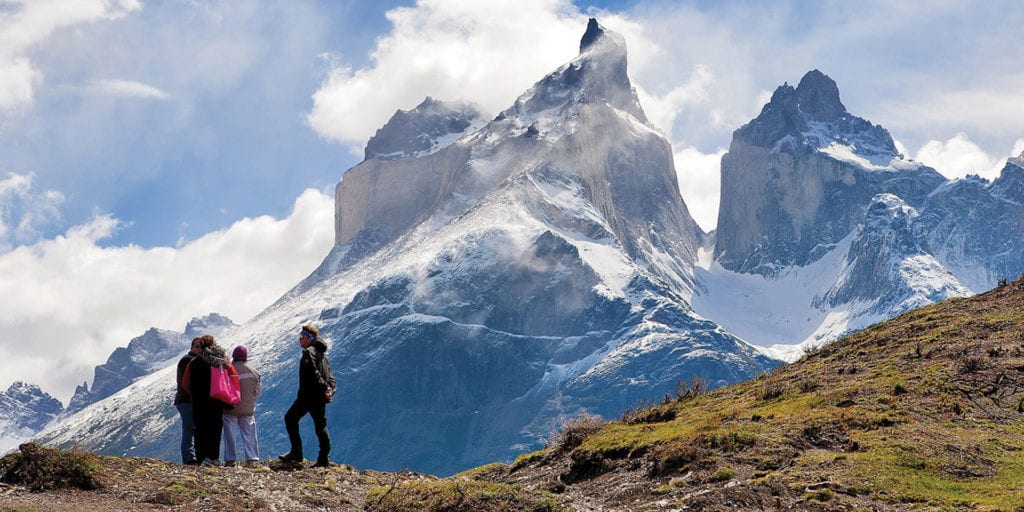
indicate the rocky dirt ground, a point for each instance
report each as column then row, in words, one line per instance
column 142, row 484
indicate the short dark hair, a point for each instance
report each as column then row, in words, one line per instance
column 311, row 331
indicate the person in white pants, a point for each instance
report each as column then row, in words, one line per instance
column 241, row 420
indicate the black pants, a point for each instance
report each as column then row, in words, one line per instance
column 209, row 420
column 316, row 410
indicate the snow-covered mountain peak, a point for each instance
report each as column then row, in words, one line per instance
column 24, row 409
column 1017, row 161
column 580, row 125
column 887, row 270
column 425, row 129
column 597, row 75
column 214, row 324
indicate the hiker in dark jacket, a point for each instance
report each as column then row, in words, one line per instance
column 183, row 402
column 316, row 389
column 208, row 412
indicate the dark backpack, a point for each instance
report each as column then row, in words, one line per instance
column 322, row 367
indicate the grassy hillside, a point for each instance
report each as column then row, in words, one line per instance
column 923, row 412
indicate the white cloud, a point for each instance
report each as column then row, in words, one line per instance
column 127, row 88
column 958, row 157
column 17, row 82
column 1018, row 149
column 76, row 300
column 485, row 52
column 28, row 211
column 663, row 110
column 700, row 184
column 994, row 107
column 32, row 22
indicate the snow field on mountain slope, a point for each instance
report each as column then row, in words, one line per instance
column 604, row 256
column 767, row 311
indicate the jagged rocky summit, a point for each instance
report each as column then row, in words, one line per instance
column 485, row 286
column 25, row 409
column 797, row 179
column 974, row 227
column 835, row 230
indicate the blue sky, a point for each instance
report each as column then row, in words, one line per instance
column 160, row 160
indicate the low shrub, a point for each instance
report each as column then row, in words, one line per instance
column 42, row 468
column 575, row 431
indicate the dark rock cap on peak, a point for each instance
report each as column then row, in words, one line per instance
column 593, row 33
column 818, row 96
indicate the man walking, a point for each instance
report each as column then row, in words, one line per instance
column 183, row 402
column 316, row 389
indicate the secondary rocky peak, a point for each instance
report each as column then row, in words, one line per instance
column 798, row 177
column 1010, row 183
column 26, row 406
column 888, row 266
column 811, row 116
column 818, row 97
column 214, row 324
column 427, row 127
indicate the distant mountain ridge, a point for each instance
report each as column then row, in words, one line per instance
column 144, row 355
column 25, row 409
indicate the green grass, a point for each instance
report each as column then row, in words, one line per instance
column 457, row 496
column 924, row 409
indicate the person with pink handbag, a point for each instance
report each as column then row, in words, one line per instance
column 207, row 411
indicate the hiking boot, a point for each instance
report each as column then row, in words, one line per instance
column 229, row 463
column 212, row 463
column 291, row 457
column 322, row 462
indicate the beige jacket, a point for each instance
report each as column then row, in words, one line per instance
column 252, row 386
